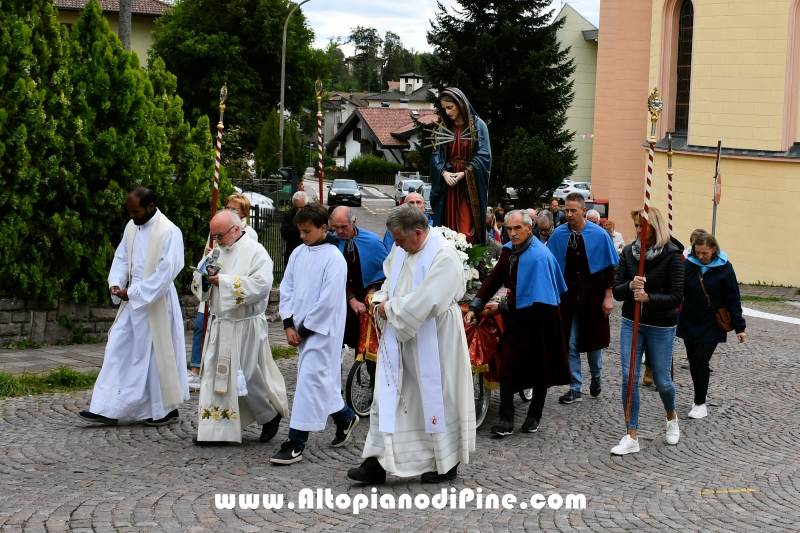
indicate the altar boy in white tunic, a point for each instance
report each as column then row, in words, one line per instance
column 422, row 419
column 313, row 310
column 237, row 340
column 144, row 367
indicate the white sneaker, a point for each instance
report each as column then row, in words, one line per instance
column 625, row 446
column 698, row 411
column 194, row 380
column 673, row 433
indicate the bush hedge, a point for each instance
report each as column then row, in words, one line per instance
column 371, row 163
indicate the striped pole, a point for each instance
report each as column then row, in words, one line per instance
column 319, row 156
column 223, row 95
column 654, row 105
column 669, row 180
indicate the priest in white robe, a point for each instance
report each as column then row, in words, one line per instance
column 237, row 340
column 144, row 368
column 313, row 310
column 422, row 419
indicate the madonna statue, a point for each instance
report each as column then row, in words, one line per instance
column 460, row 166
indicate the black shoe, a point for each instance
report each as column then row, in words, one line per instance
column 595, row 388
column 502, row 429
column 436, row 477
column 97, row 419
column 370, row 472
column 270, row 429
column 171, row 417
column 344, row 432
column 570, row 396
column 531, row 425
column 289, row 453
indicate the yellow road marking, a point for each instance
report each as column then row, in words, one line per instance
column 368, row 209
column 724, row 491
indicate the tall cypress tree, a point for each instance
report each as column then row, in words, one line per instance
column 506, row 57
column 34, row 120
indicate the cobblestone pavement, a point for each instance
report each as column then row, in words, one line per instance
column 736, row 470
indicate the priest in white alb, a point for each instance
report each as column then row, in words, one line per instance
column 144, row 368
column 239, row 381
column 422, row 419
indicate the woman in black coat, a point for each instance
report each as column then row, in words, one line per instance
column 697, row 325
column 659, row 292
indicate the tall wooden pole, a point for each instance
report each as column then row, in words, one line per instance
column 318, row 90
column 223, row 95
column 669, row 180
column 654, row 105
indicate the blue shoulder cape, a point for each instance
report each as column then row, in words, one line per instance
column 371, row 253
column 599, row 246
column 539, row 280
column 721, row 259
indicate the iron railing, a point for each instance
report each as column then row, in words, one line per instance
column 267, row 223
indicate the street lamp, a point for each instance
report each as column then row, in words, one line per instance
column 283, row 74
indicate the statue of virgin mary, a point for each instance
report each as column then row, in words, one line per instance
column 460, row 165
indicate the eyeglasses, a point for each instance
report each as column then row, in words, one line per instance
column 638, row 225
column 221, row 235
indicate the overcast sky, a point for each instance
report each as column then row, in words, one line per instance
column 407, row 18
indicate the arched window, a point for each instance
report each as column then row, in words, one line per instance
column 684, row 75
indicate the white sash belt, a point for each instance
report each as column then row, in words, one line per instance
column 389, row 373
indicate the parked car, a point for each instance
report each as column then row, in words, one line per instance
column 259, row 200
column 569, row 186
column 344, row 192
column 601, row 206
column 401, row 191
column 426, row 194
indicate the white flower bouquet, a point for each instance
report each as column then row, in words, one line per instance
column 473, row 258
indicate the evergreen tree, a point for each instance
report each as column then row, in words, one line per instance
column 506, row 57
column 239, row 42
column 267, row 152
column 35, row 119
column 293, row 152
column 368, row 45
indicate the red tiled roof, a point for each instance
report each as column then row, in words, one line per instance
column 383, row 121
column 138, row 7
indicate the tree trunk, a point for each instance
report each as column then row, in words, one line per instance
column 125, row 23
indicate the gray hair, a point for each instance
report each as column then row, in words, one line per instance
column 576, row 197
column 351, row 216
column 526, row 217
column 405, row 219
column 234, row 217
column 591, row 213
column 300, row 195
column 545, row 215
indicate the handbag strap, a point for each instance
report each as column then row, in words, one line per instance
column 703, row 286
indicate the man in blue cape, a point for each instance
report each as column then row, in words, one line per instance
column 460, row 165
column 364, row 253
column 533, row 354
column 415, row 199
column 587, row 258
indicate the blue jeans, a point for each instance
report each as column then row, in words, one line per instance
column 659, row 342
column 197, row 342
column 595, row 357
column 300, row 437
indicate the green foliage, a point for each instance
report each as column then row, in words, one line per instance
column 294, row 152
column 267, row 153
column 752, row 298
column 328, row 162
column 371, row 163
column 510, row 64
column 82, row 124
column 239, row 42
column 332, row 148
column 60, row 380
column 532, row 167
column 368, row 44
column 396, row 59
column 77, row 335
column 283, row 352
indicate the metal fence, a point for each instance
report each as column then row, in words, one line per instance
column 267, row 223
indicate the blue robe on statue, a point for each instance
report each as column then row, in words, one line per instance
column 478, row 166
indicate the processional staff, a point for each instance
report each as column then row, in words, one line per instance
column 654, row 106
column 223, row 95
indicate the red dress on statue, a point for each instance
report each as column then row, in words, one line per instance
column 458, row 215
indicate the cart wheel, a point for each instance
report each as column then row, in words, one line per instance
column 358, row 391
column 482, row 397
column 526, row 395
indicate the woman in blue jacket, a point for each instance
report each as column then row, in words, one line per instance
column 696, row 323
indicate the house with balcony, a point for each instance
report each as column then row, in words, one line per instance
column 412, row 93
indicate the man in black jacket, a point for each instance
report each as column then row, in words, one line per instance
column 289, row 231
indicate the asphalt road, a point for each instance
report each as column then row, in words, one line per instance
column 376, row 201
